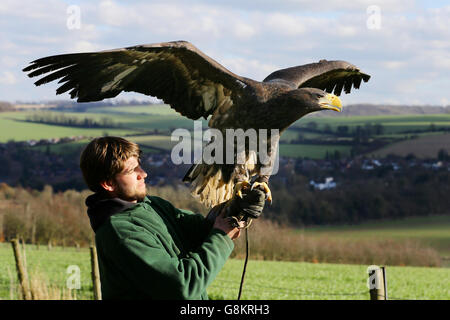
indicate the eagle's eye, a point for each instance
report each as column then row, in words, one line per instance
column 316, row 95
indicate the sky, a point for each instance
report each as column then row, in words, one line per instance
column 403, row 44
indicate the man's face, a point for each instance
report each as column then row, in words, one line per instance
column 129, row 185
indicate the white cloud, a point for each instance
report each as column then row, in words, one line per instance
column 394, row 64
column 285, row 24
column 251, row 38
column 84, row 46
column 445, row 102
column 8, row 61
column 243, row 30
column 29, row 9
column 249, row 68
column 113, row 14
column 345, row 30
column 312, row 6
column 7, row 78
column 439, row 44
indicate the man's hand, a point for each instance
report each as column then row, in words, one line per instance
column 250, row 205
column 225, row 224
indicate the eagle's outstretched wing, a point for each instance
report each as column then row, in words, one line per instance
column 325, row 75
column 176, row 72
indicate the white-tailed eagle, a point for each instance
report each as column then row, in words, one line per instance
column 197, row 86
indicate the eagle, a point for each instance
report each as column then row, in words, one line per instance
column 197, row 86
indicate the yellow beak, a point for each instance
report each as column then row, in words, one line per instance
column 331, row 102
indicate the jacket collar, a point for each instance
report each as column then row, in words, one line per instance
column 101, row 207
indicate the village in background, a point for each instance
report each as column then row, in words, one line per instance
column 369, row 186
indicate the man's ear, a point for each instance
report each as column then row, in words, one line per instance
column 108, row 186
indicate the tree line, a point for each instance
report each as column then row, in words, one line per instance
column 59, row 218
column 40, row 216
column 360, row 195
column 6, row 106
column 60, row 119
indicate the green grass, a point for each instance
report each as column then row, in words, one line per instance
column 63, row 148
column 158, row 141
column 53, row 264
column 433, row 231
column 392, row 124
column 22, row 131
column 162, row 119
column 75, row 147
column 157, row 109
column 312, row 151
column 272, row 280
column 424, row 146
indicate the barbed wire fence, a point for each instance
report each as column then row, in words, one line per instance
column 47, row 273
column 334, row 295
column 72, row 273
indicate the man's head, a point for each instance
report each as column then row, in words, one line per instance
column 112, row 164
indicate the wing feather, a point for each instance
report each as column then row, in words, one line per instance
column 325, row 75
column 176, row 72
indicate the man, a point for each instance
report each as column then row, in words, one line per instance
column 147, row 248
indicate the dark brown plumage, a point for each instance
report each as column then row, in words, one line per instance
column 197, row 86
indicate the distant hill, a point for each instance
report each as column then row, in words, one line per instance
column 349, row 110
column 422, row 147
column 70, row 105
column 381, row 110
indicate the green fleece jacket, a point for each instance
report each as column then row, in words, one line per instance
column 153, row 250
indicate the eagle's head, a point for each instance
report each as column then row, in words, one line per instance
column 311, row 99
column 299, row 102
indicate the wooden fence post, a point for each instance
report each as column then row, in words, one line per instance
column 24, row 256
column 383, row 269
column 21, row 271
column 95, row 274
column 378, row 283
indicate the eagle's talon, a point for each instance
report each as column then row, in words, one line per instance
column 265, row 188
column 269, row 199
column 239, row 186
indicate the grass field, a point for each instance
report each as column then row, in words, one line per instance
column 22, row 131
column 433, row 231
column 157, row 109
column 272, row 280
column 393, row 123
column 427, row 146
column 312, row 151
column 278, row 279
column 51, row 265
column 162, row 120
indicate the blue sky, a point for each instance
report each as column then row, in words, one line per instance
column 403, row 44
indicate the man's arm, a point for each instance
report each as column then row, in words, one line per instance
column 194, row 226
column 158, row 275
column 249, row 206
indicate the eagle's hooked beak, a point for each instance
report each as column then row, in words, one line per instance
column 331, row 102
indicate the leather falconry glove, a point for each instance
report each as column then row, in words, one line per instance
column 244, row 209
